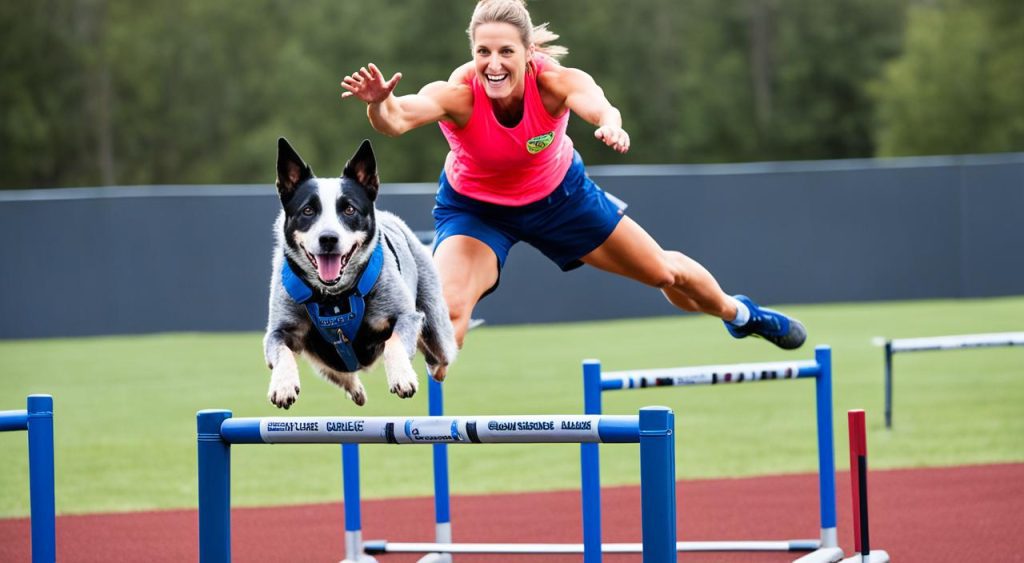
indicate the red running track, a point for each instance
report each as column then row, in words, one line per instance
column 972, row 513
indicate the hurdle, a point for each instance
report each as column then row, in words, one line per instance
column 825, row 549
column 356, row 551
column 37, row 420
column 652, row 428
column 952, row 342
column 859, row 488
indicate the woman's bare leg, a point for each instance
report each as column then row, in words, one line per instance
column 633, row 253
column 468, row 268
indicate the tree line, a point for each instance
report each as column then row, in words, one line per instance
column 121, row 92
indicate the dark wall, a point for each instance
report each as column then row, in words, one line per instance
column 178, row 258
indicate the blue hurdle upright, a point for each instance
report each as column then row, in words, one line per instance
column 652, row 428
column 37, row 419
column 820, row 369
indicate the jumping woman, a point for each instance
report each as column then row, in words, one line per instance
column 513, row 175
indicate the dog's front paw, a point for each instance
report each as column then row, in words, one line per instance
column 402, row 381
column 285, row 395
column 284, row 383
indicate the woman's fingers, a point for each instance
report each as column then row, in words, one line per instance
column 614, row 137
column 368, row 84
column 390, row 85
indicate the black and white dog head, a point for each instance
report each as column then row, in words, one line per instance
column 329, row 227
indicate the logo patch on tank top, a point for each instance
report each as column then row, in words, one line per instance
column 540, row 142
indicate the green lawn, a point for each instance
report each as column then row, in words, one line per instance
column 125, row 407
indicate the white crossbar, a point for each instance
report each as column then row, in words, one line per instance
column 954, row 342
column 428, row 429
column 707, row 375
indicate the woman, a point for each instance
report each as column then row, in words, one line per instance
column 512, row 175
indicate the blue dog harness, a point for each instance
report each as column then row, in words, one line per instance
column 338, row 330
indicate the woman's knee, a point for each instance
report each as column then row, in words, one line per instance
column 676, row 270
column 664, row 274
column 460, row 311
column 460, row 304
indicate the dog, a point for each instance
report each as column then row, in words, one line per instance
column 330, row 242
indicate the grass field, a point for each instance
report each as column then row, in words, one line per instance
column 125, row 407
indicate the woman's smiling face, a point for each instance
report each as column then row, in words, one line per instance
column 500, row 59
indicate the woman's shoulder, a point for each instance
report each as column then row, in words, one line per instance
column 554, row 78
column 456, row 87
column 462, row 74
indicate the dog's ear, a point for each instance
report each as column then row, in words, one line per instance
column 291, row 170
column 362, row 168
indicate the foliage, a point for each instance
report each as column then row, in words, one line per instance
column 43, row 125
column 959, row 85
column 108, row 92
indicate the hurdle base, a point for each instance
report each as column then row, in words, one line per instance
column 354, row 548
column 822, row 555
column 435, row 558
column 377, row 547
column 876, row 556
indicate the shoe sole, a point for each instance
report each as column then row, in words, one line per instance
column 793, row 339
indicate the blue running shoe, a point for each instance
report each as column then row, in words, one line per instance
column 773, row 326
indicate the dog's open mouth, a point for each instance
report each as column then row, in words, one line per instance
column 330, row 266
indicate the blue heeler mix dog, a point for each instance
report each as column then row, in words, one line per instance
column 349, row 284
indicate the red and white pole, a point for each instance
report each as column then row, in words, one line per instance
column 859, row 488
column 859, row 483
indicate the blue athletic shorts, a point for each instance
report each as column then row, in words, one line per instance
column 568, row 224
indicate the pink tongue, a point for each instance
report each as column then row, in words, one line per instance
column 328, row 266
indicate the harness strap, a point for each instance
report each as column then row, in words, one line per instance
column 339, row 329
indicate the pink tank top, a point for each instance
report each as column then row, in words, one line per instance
column 508, row 165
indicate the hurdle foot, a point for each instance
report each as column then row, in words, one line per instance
column 823, row 555
column 435, row 558
column 876, row 556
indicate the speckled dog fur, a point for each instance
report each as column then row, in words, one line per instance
column 335, row 219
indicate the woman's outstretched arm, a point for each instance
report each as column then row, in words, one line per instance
column 394, row 115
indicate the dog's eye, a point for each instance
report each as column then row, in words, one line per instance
column 349, row 210
column 308, row 211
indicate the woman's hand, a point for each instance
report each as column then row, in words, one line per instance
column 368, row 85
column 614, row 137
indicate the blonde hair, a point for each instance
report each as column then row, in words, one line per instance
column 514, row 12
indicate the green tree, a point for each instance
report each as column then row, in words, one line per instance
column 43, row 117
column 102, row 92
column 824, row 56
column 959, row 85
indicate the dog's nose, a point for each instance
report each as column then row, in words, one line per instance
column 328, row 241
